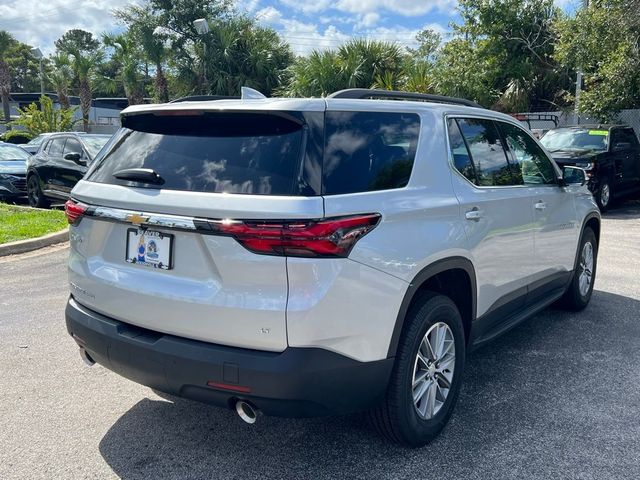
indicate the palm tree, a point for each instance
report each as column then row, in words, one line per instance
column 356, row 64
column 127, row 55
column 61, row 77
column 83, row 65
column 152, row 43
column 6, row 41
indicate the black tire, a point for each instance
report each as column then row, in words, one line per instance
column 573, row 298
column 604, row 194
column 397, row 418
column 34, row 193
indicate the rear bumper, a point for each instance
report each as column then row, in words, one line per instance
column 299, row 382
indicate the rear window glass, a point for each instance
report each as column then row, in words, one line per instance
column 367, row 151
column 220, row 153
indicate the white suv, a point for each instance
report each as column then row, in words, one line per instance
column 303, row 257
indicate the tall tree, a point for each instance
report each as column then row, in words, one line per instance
column 77, row 41
column 127, row 55
column 512, row 43
column 356, row 64
column 6, row 41
column 147, row 29
column 86, row 55
column 61, row 77
column 603, row 41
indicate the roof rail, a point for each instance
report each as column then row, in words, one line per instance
column 363, row 93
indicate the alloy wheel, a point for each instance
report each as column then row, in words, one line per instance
column 433, row 370
column 605, row 195
column 586, row 269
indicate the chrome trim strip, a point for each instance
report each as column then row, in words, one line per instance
column 149, row 219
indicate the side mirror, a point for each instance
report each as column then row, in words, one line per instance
column 621, row 147
column 75, row 157
column 573, row 176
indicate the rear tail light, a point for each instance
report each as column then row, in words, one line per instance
column 74, row 211
column 332, row 237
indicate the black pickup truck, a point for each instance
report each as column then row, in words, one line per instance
column 609, row 153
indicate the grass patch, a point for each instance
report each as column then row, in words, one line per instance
column 20, row 223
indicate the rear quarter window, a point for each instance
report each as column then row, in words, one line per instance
column 368, row 151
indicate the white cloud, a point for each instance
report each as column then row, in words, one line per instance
column 402, row 7
column 368, row 20
column 40, row 25
column 268, row 15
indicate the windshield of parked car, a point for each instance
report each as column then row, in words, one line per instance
column 576, row 139
column 37, row 141
column 93, row 143
column 9, row 152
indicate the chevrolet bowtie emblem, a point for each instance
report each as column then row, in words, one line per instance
column 136, row 219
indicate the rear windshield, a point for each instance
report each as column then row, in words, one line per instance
column 368, row 151
column 220, row 153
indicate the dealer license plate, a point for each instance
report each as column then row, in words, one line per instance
column 149, row 248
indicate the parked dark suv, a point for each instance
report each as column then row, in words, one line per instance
column 609, row 153
column 61, row 161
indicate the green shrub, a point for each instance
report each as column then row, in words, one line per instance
column 16, row 136
column 45, row 119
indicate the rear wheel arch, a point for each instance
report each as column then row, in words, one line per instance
column 453, row 277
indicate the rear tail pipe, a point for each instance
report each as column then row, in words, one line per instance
column 86, row 358
column 247, row 412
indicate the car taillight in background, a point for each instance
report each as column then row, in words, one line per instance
column 74, row 211
column 332, row 237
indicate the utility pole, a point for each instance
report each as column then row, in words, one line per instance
column 579, row 74
column 202, row 27
column 37, row 53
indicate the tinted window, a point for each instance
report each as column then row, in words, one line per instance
column 56, row 146
column 531, row 165
column 461, row 158
column 625, row 135
column 72, row 146
column 487, row 153
column 366, row 151
column 231, row 152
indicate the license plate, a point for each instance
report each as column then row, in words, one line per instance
column 149, row 248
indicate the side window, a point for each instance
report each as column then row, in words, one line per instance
column 530, row 163
column 461, row 158
column 625, row 135
column 487, row 153
column 72, row 146
column 56, row 146
column 368, row 151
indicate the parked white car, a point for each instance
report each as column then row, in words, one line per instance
column 302, row 257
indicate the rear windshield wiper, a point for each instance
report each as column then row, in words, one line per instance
column 145, row 175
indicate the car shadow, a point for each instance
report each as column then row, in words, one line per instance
column 559, row 391
column 624, row 209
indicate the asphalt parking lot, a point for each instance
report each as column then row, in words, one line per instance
column 557, row 397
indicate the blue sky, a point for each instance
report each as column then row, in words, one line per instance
column 306, row 25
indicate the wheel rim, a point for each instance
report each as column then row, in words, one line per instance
column 605, row 194
column 586, row 269
column 32, row 191
column 433, row 370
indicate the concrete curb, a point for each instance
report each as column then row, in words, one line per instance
column 22, row 246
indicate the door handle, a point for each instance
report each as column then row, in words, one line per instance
column 473, row 214
column 540, row 205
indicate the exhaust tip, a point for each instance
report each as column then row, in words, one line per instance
column 86, row 358
column 247, row 412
